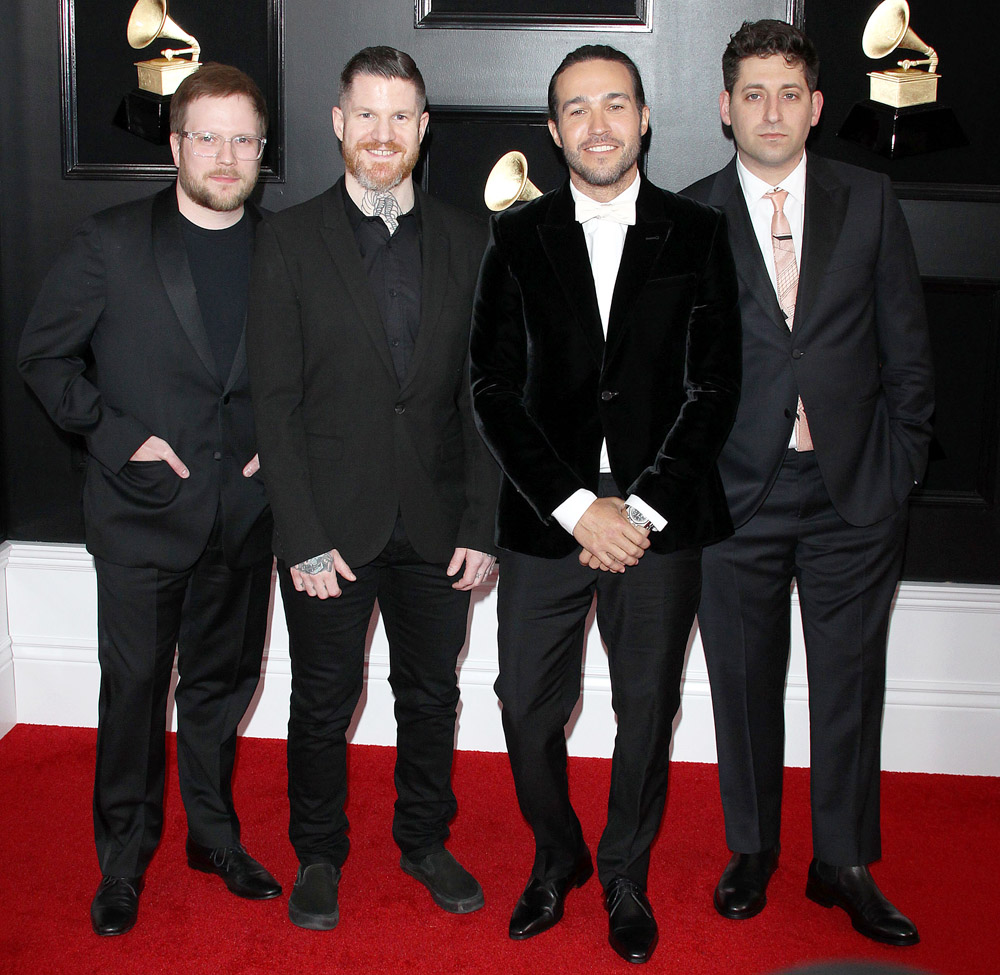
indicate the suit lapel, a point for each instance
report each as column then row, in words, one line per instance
column 343, row 251
column 435, row 256
column 826, row 207
column 171, row 259
column 240, row 359
column 566, row 248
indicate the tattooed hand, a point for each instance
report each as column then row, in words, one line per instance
column 318, row 576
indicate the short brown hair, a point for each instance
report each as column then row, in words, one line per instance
column 214, row 80
column 763, row 38
column 596, row 52
column 383, row 62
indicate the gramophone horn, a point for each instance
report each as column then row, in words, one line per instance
column 149, row 21
column 888, row 28
column 508, row 182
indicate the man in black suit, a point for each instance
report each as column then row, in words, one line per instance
column 831, row 436
column 605, row 365
column 136, row 342
column 380, row 485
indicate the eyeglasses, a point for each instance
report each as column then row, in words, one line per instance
column 208, row 144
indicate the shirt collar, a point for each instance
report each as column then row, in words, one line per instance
column 754, row 187
column 628, row 195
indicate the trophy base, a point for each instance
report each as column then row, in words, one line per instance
column 899, row 132
column 146, row 115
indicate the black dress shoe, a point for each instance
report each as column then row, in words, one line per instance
column 452, row 887
column 541, row 904
column 115, row 906
column 632, row 930
column 853, row 889
column 313, row 903
column 742, row 889
column 242, row 874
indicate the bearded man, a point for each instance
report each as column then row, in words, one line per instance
column 137, row 343
column 381, row 488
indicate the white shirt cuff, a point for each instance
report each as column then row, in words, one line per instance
column 572, row 509
column 651, row 514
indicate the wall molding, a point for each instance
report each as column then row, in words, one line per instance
column 942, row 693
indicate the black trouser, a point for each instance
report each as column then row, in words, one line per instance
column 845, row 577
column 644, row 616
column 426, row 622
column 216, row 617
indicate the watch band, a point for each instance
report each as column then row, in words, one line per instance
column 636, row 517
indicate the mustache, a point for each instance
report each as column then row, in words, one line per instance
column 601, row 141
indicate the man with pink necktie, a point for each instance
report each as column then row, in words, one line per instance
column 831, row 435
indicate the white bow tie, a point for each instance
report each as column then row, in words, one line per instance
column 620, row 211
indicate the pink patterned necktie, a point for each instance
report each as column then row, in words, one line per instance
column 787, row 276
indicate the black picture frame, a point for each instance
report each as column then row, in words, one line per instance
column 98, row 71
column 603, row 15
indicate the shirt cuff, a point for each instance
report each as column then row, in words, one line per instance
column 572, row 509
column 651, row 514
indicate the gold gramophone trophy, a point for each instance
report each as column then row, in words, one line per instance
column 145, row 111
column 508, row 182
column 901, row 117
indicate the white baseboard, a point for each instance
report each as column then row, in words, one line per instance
column 942, row 696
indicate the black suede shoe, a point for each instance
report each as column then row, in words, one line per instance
column 742, row 889
column 853, row 889
column 632, row 930
column 115, row 906
column 242, row 874
column 452, row 887
column 313, row 903
column 541, row 904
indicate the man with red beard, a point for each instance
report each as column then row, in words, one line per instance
column 382, row 490
column 136, row 342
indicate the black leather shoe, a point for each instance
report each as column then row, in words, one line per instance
column 452, row 887
column 632, row 930
column 313, row 903
column 115, row 906
column 541, row 904
column 742, row 889
column 853, row 889
column 242, row 874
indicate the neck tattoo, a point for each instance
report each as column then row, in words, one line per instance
column 383, row 205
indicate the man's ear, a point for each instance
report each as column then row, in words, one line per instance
column 554, row 132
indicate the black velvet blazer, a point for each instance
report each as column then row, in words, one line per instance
column 662, row 389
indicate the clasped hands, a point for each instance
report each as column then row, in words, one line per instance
column 610, row 542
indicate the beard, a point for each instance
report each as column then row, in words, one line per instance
column 221, row 199
column 592, row 171
column 379, row 177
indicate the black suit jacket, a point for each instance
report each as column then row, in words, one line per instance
column 662, row 389
column 344, row 447
column 859, row 354
column 116, row 350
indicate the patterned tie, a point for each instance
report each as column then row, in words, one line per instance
column 787, row 275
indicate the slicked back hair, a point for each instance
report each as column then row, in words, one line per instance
column 383, row 62
column 596, row 52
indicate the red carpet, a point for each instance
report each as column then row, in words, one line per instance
column 941, row 861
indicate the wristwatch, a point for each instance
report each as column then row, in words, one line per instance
column 637, row 518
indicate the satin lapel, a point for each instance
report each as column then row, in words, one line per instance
column 175, row 272
column 343, row 248
column 435, row 255
column 826, row 207
column 564, row 244
column 240, row 359
column 750, row 266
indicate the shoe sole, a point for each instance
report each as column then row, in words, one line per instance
column 466, row 906
column 313, row 922
column 817, row 895
column 113, row 933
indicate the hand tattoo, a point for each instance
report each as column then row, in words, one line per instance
column 316, row 565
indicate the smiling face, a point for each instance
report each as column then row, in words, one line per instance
column 599, row 126
column 380, row 126
column 771, row 111
column 211, row 191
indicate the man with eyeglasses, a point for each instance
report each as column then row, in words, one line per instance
column 137, row 343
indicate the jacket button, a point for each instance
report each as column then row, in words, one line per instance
column 788, row 414
column 608, row 395
column 797, row 353
column 225, row 399
column 217, row 455
column 400, row 409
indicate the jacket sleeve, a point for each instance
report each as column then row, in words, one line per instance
column 53, row 355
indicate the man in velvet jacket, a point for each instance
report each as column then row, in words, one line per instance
column 136, row 342
column 605, row 366
column 831, row 435
column 382, row 490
